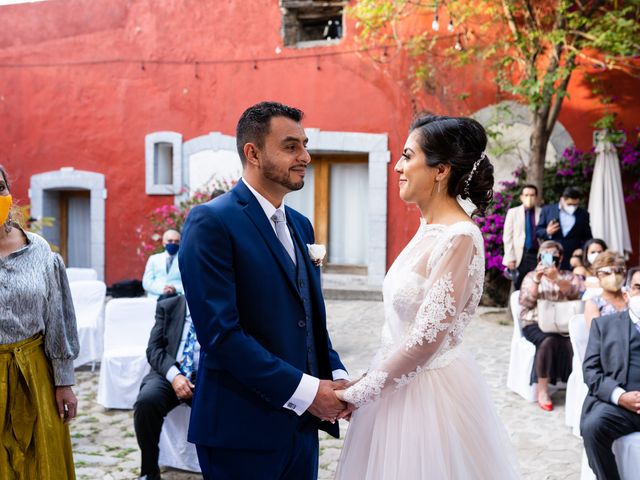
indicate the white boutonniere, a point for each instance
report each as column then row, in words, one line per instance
column 317, row 253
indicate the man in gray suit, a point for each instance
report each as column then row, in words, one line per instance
column 173, row 353
column 612, row 373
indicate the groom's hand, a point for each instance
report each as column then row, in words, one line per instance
column 326, row 405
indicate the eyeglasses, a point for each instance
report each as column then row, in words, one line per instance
column 605, row 271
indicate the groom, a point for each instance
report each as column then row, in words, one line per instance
column 267, row 369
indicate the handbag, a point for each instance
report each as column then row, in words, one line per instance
column 553, row 317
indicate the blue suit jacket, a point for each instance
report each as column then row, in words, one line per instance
column 575, row 238
column 246, row 309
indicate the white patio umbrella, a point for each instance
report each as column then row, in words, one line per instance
column 606, row 200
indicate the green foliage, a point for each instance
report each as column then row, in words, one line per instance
column 172, row 217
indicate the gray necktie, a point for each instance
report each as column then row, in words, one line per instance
column 170, row 259
column 281, row 232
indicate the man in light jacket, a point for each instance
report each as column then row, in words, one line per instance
column 162, row 274
column 519, row 237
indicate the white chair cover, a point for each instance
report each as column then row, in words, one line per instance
column 522, row 356
column 576, row 388
column 627, row 452
column 80, row 274
column 585, row 472
column 88, row 302
column 128, row 322
column 175, row 450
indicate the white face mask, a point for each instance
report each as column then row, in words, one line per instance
column 570, row 209
column 592, row 256
column 634, row 305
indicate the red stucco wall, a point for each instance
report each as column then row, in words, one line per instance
column 95, row 116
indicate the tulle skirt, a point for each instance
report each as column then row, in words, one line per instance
column 442, row 425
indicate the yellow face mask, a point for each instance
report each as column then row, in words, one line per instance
column 6, row 201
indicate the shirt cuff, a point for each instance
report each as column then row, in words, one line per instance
column 63, row 374
column 616, row 394
column 304, row 395
column 340, row 375
column 172, row 373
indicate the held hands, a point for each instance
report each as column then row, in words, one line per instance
column 169, row 290
column 183, row 387
column 630, row 401
column 326, row 406
column 67, row 403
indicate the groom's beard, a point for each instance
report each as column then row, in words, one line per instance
column 272, row 172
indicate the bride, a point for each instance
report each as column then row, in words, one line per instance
column 423, row 409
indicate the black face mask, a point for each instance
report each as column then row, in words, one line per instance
column 172, row 248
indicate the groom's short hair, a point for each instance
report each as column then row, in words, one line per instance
column 255, row 123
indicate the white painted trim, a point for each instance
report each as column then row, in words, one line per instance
column 149, row 150
column 67, row 178
column 510, row 112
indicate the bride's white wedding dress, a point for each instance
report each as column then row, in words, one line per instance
column 424, row 410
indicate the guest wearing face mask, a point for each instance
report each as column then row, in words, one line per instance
column 553, row 357
column 519, row 236
column 612, row 373
column 162, row 275
column 591, row 250
column 565, row 222
column 610, row 270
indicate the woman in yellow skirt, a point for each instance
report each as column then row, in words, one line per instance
column 38, row 342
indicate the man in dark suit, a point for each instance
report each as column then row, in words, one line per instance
column 173, row 355
column 612, row 373
column 268, row 371
column 565, row 222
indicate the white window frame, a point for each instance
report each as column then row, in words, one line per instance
column 150, row 141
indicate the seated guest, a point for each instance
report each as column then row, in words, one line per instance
column 173, row 355
column 590, row 252
column 162, row 275
column 612, row 373
column 553, row 351
column 610, row 270
column 577, row 266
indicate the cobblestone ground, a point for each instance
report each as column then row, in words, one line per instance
column 105, row 446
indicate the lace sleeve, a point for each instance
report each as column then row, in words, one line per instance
column 453, row 284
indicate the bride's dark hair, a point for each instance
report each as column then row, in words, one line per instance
column 459, row 142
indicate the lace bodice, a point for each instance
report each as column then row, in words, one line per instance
column 430, row 293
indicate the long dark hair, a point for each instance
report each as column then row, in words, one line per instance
column 459, row 142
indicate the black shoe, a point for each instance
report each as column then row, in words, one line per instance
column 155, row 476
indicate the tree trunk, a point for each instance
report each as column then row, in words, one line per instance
column 538, row 151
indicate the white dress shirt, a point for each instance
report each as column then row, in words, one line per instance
column 618, row 391
column 567, row 221
column 307, row 389
column 174, row 371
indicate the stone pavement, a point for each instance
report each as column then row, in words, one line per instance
column 105, row 447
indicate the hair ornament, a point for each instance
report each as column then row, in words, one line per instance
column 483, row 155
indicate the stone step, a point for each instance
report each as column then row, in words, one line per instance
column 337, row 286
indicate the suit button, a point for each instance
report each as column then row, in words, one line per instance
column 302, row 324
column 301, row 283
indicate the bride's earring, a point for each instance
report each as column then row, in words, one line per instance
column 438, row 191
